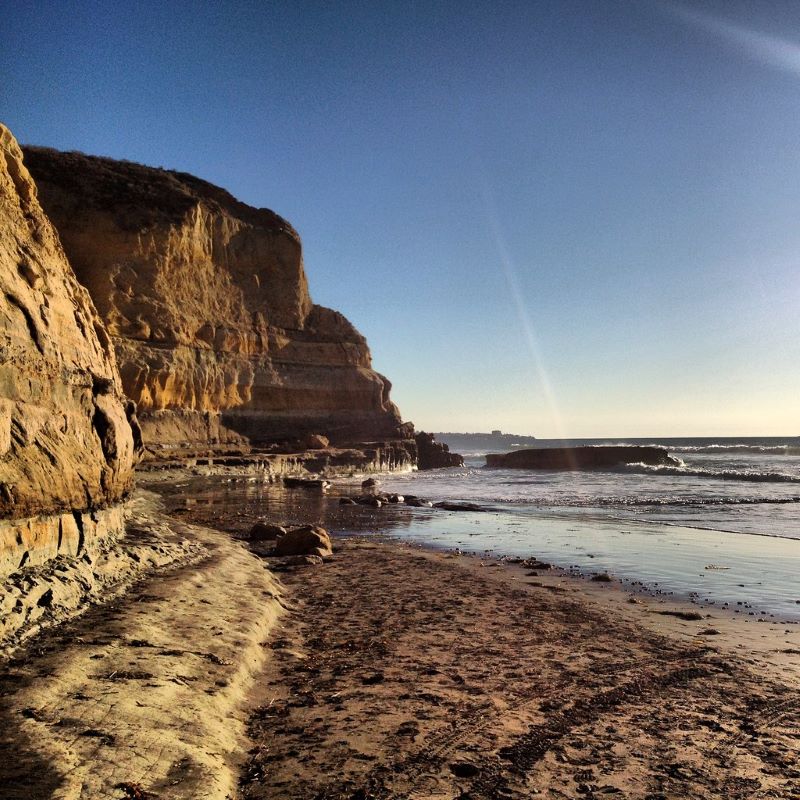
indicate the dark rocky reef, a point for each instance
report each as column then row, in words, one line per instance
column 580, row 457
column 434, row 455
column 367, row 457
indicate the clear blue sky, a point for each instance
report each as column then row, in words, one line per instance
column 558, row 218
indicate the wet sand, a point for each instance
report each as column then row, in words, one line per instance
column 404, row 672
column 752, row 576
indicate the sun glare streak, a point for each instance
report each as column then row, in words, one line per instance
column 528, row 331
column 771, row 50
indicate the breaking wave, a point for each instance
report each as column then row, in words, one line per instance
column 755, row 476
column 618, row 500
column 743, row 449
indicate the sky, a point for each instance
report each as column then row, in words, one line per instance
column 553, row 218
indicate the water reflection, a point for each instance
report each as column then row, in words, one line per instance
column 234, row 504
column 749, row 575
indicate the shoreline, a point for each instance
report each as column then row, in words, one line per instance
column 589, row 579
column 773, row 646
column 707, row 564
column 335, row 651
column 683, row 563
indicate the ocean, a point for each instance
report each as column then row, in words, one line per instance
column 722, row 528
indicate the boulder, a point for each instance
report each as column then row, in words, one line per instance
column 307, row 540
column 303, row 561
column 265, row 532
column 535, row 563
column 306, row 483
column 448, row 506
column 417, row 502
column 316, row 441
column 369, row 500
column 435, row 455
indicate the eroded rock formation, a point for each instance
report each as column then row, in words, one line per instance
column 67, row 446
column 206, row 301
column 435, row 455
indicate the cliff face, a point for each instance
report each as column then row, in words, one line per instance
column 208, row 307
column 67, row 447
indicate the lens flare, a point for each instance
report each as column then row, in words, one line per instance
column 770, row 50
column 528, row 331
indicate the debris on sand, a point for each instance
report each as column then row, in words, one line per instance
column 687, row 615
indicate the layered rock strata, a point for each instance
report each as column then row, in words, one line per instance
column 207, row 304
column 332, row 462
column 68, row 438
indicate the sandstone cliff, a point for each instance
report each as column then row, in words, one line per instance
column 207, row 304
column 67, row 447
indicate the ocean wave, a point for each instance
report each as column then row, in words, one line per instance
column 695, row 449
column 685, row 471
column 712, row 449
column 625, row 501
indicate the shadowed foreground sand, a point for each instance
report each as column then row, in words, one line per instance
column 144, row 696
column 409, row 674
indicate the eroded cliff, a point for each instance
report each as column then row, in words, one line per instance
column 67, row 446
column 207, row 303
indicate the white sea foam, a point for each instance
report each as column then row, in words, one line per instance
column 729, row 502
column 749, row 486
column 684, row 470
column 743, row 449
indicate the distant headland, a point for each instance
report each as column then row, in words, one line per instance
column 496, row 440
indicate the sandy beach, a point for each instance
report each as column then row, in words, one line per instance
column 406, row 673
column 392, row 671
